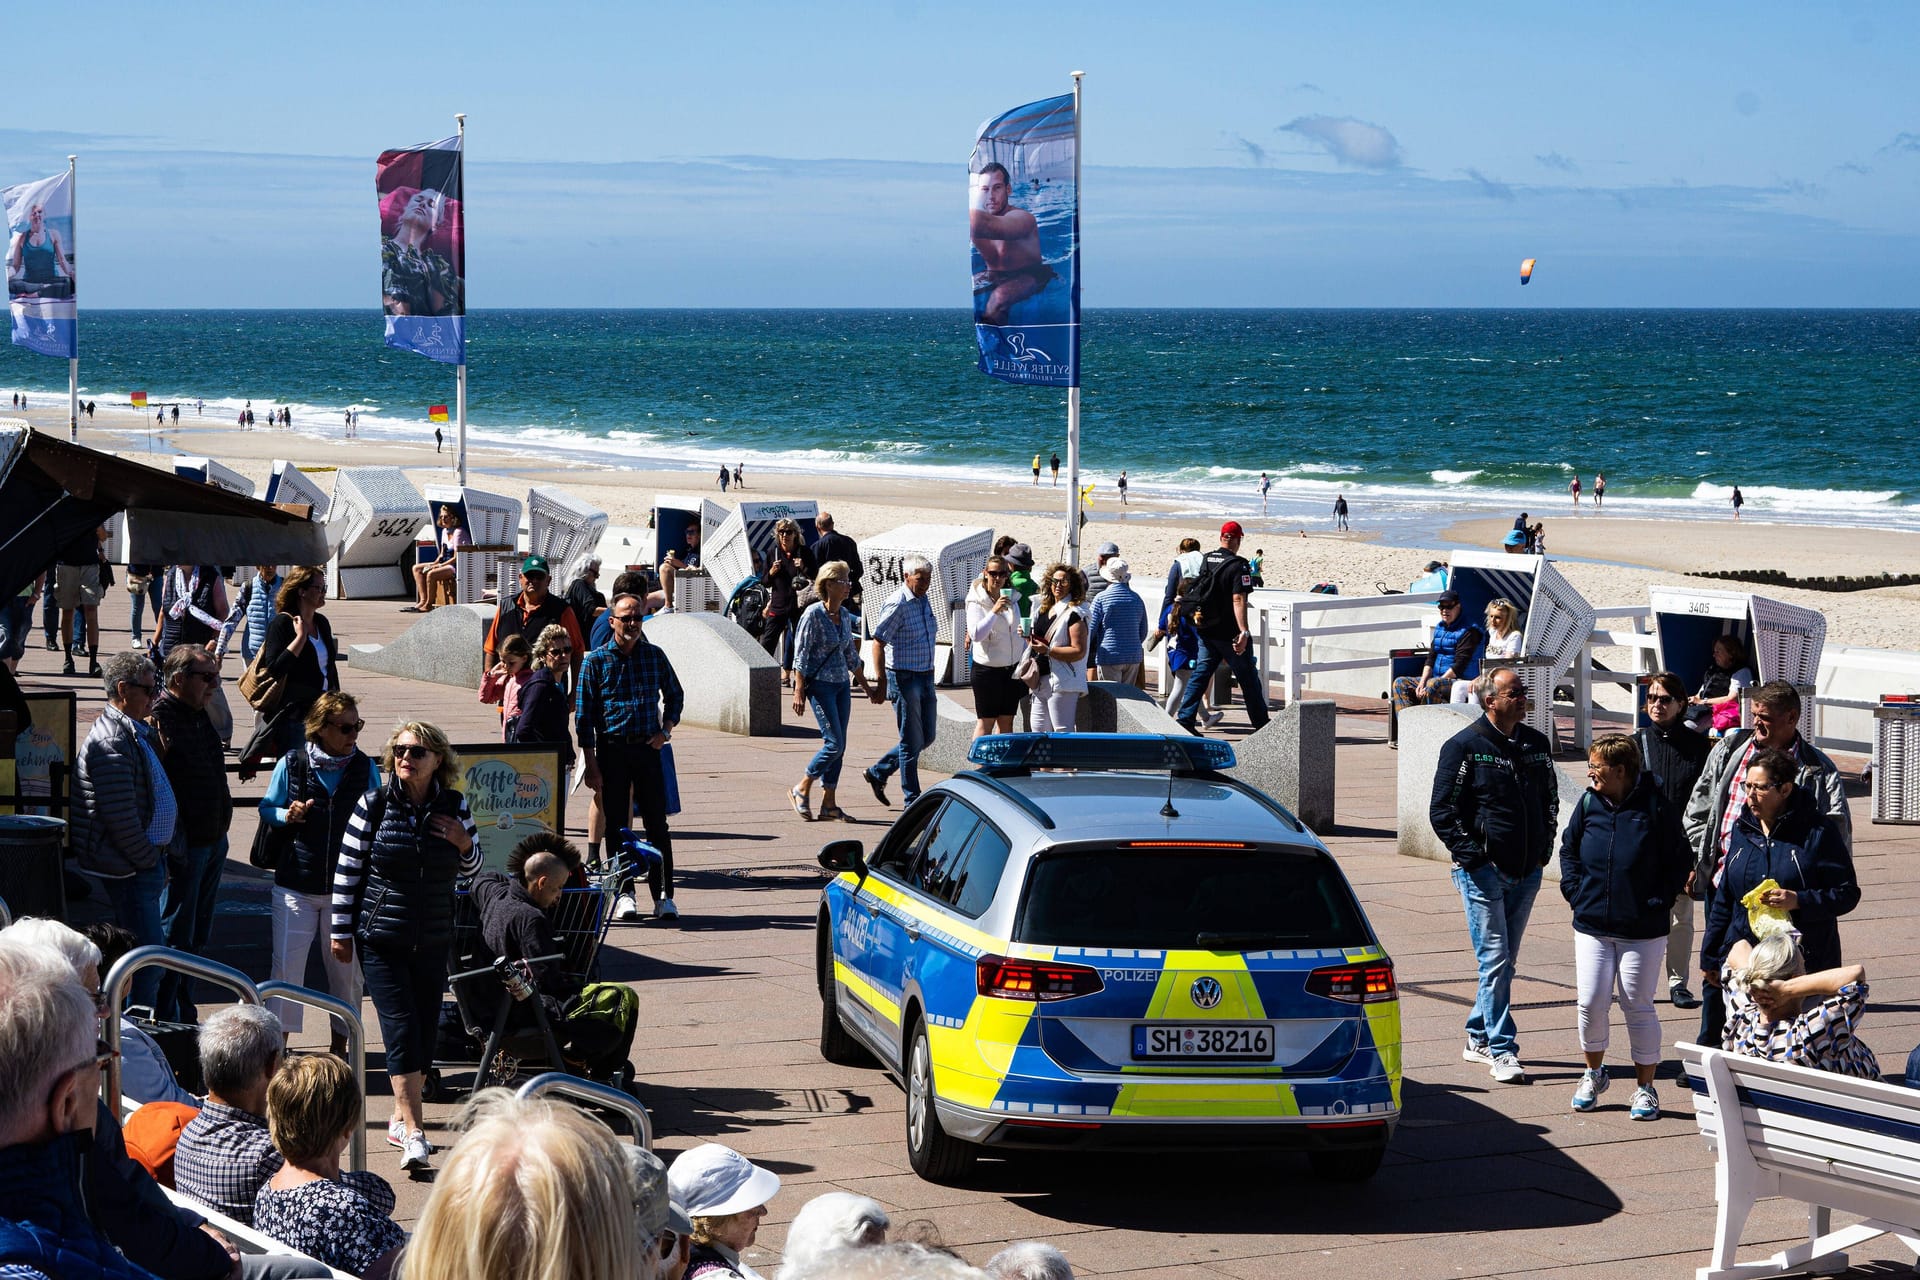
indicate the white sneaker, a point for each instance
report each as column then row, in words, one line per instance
column 1476, row 1051
column 625, row 908
column 1645, row 1104
column 414, row 1155
column 1593, row 1083
column 665, row 910
column 1212, row 718
column 1507, row 1069
column 396, row 1132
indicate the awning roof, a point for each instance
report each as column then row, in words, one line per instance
column 52, row 491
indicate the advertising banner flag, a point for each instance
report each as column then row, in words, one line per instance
column 139, row 399
column 40, row 289
column 1023, row 217
column 423, row 250
column 436, row 413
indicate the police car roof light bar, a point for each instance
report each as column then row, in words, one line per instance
column 1002, row 753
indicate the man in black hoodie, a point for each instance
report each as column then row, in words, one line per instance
column 1496, row 805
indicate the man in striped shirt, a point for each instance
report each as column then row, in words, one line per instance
column 629, row 702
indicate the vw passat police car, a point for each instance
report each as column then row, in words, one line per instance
column 1102, row 941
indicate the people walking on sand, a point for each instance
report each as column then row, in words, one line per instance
column 1599, row 489
column 1122, row 485
column 1495, row 804
column 1055, row 464
column 1340, row 513
column 739, row 475
column 725, row 476
column 1265, row 484
column 176, row 415
column 1738, row 501
column 1036, row 469
column 438, row 440
column 1573, row 487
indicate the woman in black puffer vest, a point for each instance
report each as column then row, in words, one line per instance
column 310, row 798
column 406, row 845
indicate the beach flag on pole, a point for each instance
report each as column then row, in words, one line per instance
column 423, row 249
column 437, row 413
column 1023, row 218
column 139, row 399
column 40, row 283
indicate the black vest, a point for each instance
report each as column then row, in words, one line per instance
column 507, row 622
column 408, row 897
column 307, row 867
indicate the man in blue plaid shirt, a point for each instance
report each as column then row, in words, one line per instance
column 903, row 639
column 629, row 702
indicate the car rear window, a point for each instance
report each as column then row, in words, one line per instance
column 1166, row 899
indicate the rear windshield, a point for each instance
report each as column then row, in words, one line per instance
column 1168, row 899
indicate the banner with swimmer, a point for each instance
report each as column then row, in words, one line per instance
column 40, row 287
column 1023, row 217
column 423, row 250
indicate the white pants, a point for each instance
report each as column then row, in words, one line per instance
column 1463, row 693
column 298, row 918
column 1054, row 712
column 1599, row 964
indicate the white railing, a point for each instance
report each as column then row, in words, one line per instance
column 1281, row 622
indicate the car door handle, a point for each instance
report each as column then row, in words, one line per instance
column 873, row 909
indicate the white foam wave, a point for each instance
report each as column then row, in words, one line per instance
column 1796, row 499
column 1454, row 477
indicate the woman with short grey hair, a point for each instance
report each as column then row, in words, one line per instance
column 124, row 813
column 1029, row 1260
column 830, row 1223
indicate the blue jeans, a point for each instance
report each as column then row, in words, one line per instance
column 1497, row 908
column 917, row 713
column 186, row 913
column 1212, row 654
column 136, row 908
column 832, row 707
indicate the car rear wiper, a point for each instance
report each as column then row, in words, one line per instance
column 1221, row 941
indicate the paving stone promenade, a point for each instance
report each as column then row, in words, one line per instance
column 1482, row 1179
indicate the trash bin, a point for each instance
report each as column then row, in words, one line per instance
column 30, row 872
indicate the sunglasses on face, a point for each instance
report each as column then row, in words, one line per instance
column 996, row 573
column 410, row 751
column 349, row 729
column 1660, row 697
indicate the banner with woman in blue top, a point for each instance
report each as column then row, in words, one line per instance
column 40, row 286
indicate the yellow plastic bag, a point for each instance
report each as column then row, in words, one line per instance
column 1765, row 921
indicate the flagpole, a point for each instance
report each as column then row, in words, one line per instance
column 73, row 361
column 1073, row 391
column 460, row 370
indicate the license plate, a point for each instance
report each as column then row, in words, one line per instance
column 1202, row 1040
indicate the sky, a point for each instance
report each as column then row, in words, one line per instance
column 1235, row 154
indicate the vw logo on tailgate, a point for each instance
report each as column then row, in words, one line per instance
column 1205, row 992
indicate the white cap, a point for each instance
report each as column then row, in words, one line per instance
column 712, row 1181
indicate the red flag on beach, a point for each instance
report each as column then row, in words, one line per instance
column 437, row 413
column 139, row 399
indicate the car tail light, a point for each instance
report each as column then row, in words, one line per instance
column 1365, row 983
column 1034, row 979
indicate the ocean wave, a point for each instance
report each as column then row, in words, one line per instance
column 1799, row 499
column 1454, row 477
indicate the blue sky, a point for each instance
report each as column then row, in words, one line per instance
column 1238, row 154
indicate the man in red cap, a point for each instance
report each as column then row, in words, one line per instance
column 1219, row 597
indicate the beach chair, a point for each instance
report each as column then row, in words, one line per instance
column 375, row 514
column 958, row 554
column 1783, row 641
column 492, row 521
column 207, row 471
column 743, row 543
column 289, row 484
column 563, row 529
column 1556, row 619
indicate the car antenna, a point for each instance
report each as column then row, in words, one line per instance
column 1167, row 810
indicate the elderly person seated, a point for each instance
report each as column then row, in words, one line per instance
column 145, row 1074
column 516, row 923
column 828, row 1224
column 225, row 1153
column 665, row 1230
column 345, row 1219
column 1767, row 989
column 535, row 1190
column 1029, row 1260
column 726, row 1195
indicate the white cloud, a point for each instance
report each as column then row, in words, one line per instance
column 1489, row 187
column 1349, row 141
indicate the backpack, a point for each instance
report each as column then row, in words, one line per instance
column 599, row 1027
column 1210, row 600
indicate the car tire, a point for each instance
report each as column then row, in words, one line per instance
column 935, row 1154
column 837, row 1044
column 1347, row 1164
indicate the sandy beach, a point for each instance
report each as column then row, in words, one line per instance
column 1612, row 561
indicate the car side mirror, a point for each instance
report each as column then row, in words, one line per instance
column 845, row 855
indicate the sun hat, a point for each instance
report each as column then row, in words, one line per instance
column 1115, row 570
column 1020, row 555
column 653, row 1204
column 534, row 564
column 712, row 1181
column 1232, row 529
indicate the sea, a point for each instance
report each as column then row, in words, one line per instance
column 1412, row 414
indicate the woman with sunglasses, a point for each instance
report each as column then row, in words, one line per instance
column 1674, row 754
column 546, row 709
column 1059, row 634
column 826, row 666
column 298, row 650
column 1780, row 835
column 406, row 845
column 993, row 627
column 309, row 799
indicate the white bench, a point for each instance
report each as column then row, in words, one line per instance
column 1831, row 1141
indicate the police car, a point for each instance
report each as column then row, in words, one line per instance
column 1102, row 941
